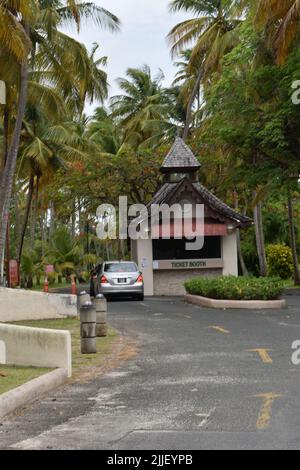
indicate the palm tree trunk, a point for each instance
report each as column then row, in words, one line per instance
column 52, row 219
column 239, row 246
column 17, row 218
column 26, row 217
column 260, row 238
column 34, row 214
column 73, row 219
column 10, row 167
column 190, row 105
column 293, row 239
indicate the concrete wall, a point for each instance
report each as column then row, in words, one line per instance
column 171, row 282
column 36, row 347
column 230, row 255
column 20, row 305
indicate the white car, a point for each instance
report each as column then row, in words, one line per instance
column 118, row 279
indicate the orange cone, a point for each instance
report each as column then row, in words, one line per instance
column 46, row 286
column 73, row 287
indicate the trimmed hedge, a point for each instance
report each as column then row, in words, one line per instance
column 236, row 288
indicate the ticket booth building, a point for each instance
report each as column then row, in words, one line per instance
column 166, row 263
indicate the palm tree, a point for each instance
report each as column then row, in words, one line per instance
column 13, row 39
column 37, row 23
column 213, row 32
column 104, row 132
column 282, row 20
column 143, row 110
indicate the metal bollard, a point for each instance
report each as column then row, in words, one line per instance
column 84, row 298
column 88, row 329
column 101, row 316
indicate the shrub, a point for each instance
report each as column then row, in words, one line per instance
column 280, row 261
column 51, row 278
column 236, row 288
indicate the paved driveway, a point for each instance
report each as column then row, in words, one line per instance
column 197, row 382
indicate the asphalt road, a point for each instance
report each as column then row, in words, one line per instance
column 196, row 383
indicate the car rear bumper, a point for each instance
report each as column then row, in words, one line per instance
column 110, row 290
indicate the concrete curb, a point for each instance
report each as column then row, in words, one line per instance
column 235, row 304
column 18, row 397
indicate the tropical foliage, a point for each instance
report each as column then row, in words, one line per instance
column 236, row 65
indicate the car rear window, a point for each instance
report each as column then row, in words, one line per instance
column 120, row 268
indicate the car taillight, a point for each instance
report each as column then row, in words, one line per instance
column 104, row 280
column 140, row 278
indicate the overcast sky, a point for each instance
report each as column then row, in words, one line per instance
column 142, row 40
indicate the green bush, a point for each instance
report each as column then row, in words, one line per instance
column 236, row 288
column 280, row 261
column 51, row 278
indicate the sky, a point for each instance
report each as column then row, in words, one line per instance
column 142, row 39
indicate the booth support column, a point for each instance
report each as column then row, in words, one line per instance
column 230, row 255
column 142, row 254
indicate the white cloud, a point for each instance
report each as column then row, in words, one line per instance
column 142, row 40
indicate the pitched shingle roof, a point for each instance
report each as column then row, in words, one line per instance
column 180, row 157
column 209, row 199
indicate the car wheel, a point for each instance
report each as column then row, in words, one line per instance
column 140, row 298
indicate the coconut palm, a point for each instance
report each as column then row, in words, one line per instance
column 282, row 20
column 143, row 110
column 212, row 32
column 34, row 23
column 104, row 132
column 13, row 38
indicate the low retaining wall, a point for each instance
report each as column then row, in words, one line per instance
column 235, row 304
column 14, row 399
column 36, row 347
column 20, row 305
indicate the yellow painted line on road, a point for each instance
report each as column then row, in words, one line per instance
column 219, row 329
column 265, row 414
column 264, row 354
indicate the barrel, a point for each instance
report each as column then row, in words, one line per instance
column 101, row 316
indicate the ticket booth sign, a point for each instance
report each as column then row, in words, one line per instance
column 13, row 273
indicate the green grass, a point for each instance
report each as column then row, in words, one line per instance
column 80, row 361
column 13, row 376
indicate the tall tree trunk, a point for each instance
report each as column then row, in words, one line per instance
column 73, row 219
column 10, row 167
column 26, row 217
column 239, row 246
column 52, row 219
column 34, row 214
column 17, row 219
column 260, row 238
column 43, row 221
column 190, row 105
column 293, row 239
